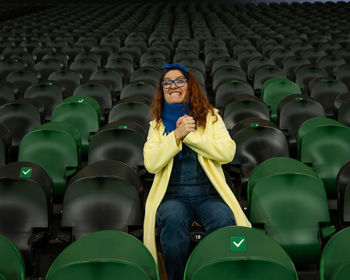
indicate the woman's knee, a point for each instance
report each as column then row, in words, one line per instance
column 174, row 213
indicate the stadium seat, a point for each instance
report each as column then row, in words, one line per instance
column 274, row 90
column 26, row 205
column 292, row 111
column 7, row 93
column 271, row 185
column 84, row 113
column 108, row 193
column 342, row 74
column 100, row 93
column 146, row 74
column 264, row 73
column 226, row 74
column 53, row 140
column 111, row 78
column 131, row 110
column 324, row 144
column 5, row 144
column 19, row 119
column 343, row 194
column 325, row 91
column 12, row 266
column 335, row 259
column 305, row 73
column 47, row 94
column 249, row 134
column 104, row 255
column 343, row 113
column 121, row 65
column 21, row 80
column 239, row 253
column 243, row 106
column 84, row 66
column 291, row 63
column 139, row 88
column 46, row 67
column 121, row 140
column 228, row 90
column 67, row 80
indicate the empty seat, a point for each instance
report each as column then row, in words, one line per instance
column 335, row 259
column 12, row 266
column 343, row 194
column 274, row 90
column 21, row 80
column 239, row 253
column 20, row 118
column 7, row 93
column 343, row 113
column 131, row 110
column 84, row 113
column 304, row 74
column 104, row 255
column 26, row 205
column 111, row 78
column 325, row 91
column 271, row 185
column 146, row 74
column 122, row 140
column 67, row 80
column 100, row 93
column 108, row 193
column 84, row 66
column 5, row 144
column 226, row 74
column 264, row 73
column 250, row 134
column 123, row 66
column 139, row 88
column 243, row 107
column 292, row 111
column 53, row 140
column 325, row 144
column 47, row 94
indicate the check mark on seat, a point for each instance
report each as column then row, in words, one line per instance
column 26, row 172
column 239, row 243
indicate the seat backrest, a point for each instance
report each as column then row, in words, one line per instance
column 324, row 143
column 293, row 223
column 109, row 202
column 121, row 140
column 343, row 194
column 12, row 264
column 83, row 112
column 335, row 258
column 225, row 250
column 54, row 140
column 274, row 91
column 106, row 246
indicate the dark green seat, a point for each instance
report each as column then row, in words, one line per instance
column 104, row 255
column 56, row 147
column 288, row 200
column 325, row 144
column 238, row 253
column 11, row 264
column 335, row 258
column 274, row 90
column 83, row 112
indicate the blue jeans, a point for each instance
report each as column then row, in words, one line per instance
column 180, row 207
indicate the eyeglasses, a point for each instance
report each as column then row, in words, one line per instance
column 177, row 83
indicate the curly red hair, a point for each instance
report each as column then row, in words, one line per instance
column 199, row 103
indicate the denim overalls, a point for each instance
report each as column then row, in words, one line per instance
column 190, row 197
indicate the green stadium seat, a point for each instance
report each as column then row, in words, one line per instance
column 84, row 113
column 104, row 255
column 324, row 144
column 274, row 90
column 239, row 253
column 296, row 224
column 53, row 140
column 12, row 265
column 335, row 259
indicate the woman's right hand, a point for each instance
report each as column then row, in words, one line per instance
column 185, row 125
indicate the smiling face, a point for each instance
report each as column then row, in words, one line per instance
column 174, row 94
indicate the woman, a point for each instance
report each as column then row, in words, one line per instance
column 186, row 145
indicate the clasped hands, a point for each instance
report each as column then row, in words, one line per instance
column 184, row 126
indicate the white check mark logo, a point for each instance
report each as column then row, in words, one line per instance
column 238, row 244
column 26, row 172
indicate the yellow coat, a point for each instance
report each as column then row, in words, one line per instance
column 214, row 147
